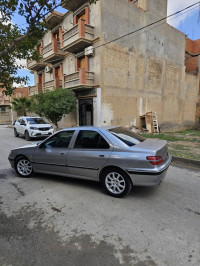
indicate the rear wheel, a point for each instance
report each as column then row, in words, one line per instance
column 116, row 182
column 16, row 134
column 23, row 167
column 26, row 135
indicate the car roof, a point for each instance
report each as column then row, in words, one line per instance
column 89, row 128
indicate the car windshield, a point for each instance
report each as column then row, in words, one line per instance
column 127, row 136
column 36, row 120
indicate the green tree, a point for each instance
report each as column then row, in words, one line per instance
column 53, row 104
column 18, row 42
column 21, row 105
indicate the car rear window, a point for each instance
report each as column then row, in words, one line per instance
column 127, row 136
column 35, row 121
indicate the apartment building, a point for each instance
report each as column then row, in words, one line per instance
column 117, row 80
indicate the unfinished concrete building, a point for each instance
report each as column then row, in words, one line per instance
column 118, row 80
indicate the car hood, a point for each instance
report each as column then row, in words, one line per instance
column 32, row 145
column 39, row 125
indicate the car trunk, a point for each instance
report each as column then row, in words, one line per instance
column 154, row 147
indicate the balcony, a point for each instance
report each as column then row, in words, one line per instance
column 78, row 38
column 54, row 19
column 74, row 4
column 49, row 85
column 56, row 83
column 79, row 79
column 52, row 52
column 35, row 65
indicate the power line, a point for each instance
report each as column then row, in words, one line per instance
column 147, row 26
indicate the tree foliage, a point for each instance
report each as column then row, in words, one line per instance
column 21, row 105
column 53, row 104
column 18, row 42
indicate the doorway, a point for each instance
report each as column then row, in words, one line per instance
column 86, row 112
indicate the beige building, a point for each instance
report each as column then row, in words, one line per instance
column 6, row 114
column 117, row 82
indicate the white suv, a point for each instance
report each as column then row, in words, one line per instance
column 32, row 127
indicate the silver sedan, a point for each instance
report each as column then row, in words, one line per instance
column 117, row 157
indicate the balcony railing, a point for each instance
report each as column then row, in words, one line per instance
column 79, row 79
column 79, row 37
column 52, row 51
column 35, row 65
column 49, row 85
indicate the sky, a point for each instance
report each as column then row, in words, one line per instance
column 188, row 22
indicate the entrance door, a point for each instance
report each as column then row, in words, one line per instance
column 86, row 112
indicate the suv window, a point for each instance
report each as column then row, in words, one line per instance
column 88, row 139
column 61, row 140
column 35, row 120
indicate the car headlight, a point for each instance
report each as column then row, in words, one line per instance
column 34, row 128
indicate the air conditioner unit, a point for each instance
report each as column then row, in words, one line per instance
column 47, row 69
column 89, row 50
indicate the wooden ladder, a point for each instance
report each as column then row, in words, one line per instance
column 155, row 122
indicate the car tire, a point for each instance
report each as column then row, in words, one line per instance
column 116, row 182
column 23, row 167
column 16, row 134
column 26, row 135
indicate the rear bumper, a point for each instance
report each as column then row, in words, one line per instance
column 151, row 177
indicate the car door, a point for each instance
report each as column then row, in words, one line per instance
column 89, row 153
column 51, row 155
column 18, row 125
column 22, row 126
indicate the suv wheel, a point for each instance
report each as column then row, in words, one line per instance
column 26, row 135
column 116, row 182
column 16, row 134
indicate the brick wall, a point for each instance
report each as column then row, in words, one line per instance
column 191, row 63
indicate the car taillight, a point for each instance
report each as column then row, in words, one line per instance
column 155, row 160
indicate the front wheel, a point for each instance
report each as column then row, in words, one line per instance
column 26, row 135
column 116, row 183
column 23, row 167
column 16, row 134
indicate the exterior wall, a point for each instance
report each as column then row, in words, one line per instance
column 134, row 84
column 145, row 71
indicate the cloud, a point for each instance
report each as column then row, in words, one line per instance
column 174, row 6
column 21, row 63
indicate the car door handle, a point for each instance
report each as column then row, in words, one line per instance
column 101, row 155
column 62, row 153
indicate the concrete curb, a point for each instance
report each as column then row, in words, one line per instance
column 185, row 161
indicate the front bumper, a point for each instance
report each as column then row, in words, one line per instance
column 11, row 160
column 38, row 134
column 151, row 177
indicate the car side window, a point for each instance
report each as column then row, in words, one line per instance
column 60, row 140
column 89, row 139
column 23, row 122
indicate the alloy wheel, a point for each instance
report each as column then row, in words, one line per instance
column 115, row 183
column 24, row 167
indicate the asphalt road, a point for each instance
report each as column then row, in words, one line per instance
column 49, row 220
